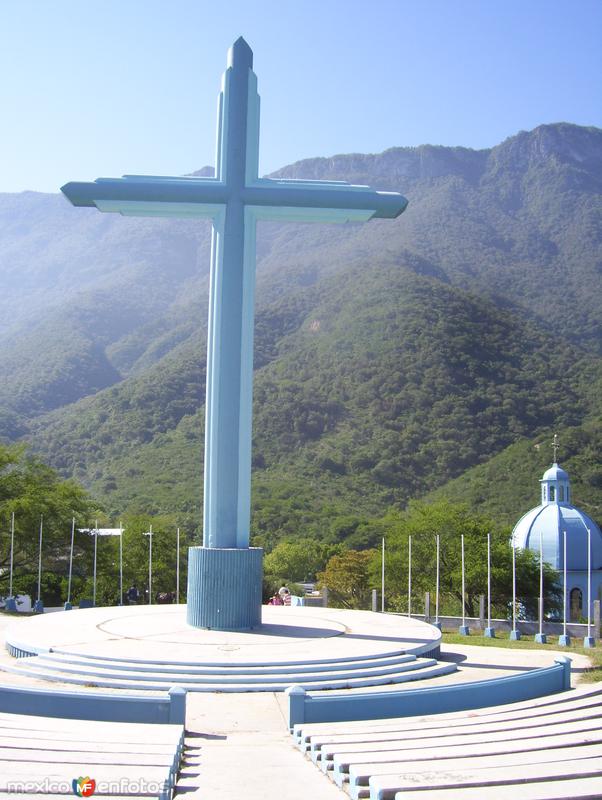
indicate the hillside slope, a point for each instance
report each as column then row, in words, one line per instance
column 390, row 357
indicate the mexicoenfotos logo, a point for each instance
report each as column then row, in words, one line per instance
column 84, row 787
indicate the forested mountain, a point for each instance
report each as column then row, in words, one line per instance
column 390, row 357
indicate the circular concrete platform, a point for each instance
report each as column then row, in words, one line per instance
column 154, row 647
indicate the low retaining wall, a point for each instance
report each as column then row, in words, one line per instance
column 168, row 708
column 304, row 708
column 577, row 630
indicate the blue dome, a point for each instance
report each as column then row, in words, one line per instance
column 551, row 520
column 555, row 473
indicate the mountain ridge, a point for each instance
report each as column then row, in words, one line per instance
column 511, row 234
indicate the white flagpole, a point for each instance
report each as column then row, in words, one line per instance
column 437, row 586
column 12, row 549
column 589, row 641
column 564, row 640
column 410, row 575
column 95, row 554
column 382, row 579
column 40, row 563
column 540, row 637
column 120, row 563
column 463, row 628
column 514, row 634
column 178, row 565
column 71, row 560
column 489, row 631
column 150, row 565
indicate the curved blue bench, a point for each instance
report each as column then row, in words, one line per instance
column 336, row 707
column 168, row 708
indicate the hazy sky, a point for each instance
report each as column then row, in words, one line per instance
column 95, row 88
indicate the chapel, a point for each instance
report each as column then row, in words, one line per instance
column 544, row 526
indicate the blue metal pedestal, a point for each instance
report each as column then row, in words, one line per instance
column 224, row 588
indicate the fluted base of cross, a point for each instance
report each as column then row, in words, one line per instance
column 224, row 588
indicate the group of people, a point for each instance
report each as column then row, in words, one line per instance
column 134, row 596
column 281, row 598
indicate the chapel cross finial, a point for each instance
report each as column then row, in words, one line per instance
column 555, row 446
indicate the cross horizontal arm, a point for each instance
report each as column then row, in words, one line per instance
column 149, row 190
column 164, row 196
column 325, row 195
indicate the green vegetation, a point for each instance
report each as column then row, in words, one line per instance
column 451, row 522
column 351, row 575
column 591, row 675
column 427, row 357
column 36, row 495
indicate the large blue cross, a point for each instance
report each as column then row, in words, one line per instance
column 234, row 200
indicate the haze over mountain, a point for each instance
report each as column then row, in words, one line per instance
column 390, row 357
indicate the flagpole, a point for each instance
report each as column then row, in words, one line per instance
column 540, row 637
column 565, row 639
column 95, row 556
column 12, row 549
column 178, row 565
column 437, row 623
column 120, row 563
column 39, row 606
column 590, row 640
column 489, row 631
column 382, row 579
column 150, row 565
column 410, row 575
column 514, row 633
column 68, row 605
column 463, row 627
column 11, row 603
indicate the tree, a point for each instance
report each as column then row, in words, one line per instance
column 35, row 493
column 299, row 561
column 347, row 577
column 451, row 521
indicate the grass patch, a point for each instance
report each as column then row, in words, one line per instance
column 593, row 674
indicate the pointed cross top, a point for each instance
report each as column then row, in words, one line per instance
column 555, row 446
column 240, row 54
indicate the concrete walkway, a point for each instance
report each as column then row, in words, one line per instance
column 239, row 745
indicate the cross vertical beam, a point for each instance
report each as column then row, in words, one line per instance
column 225, row 574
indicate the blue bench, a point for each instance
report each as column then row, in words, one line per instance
column 168, row 708
column 338, row 707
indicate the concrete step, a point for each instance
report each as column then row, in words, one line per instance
column 67, row 662
column 415, row 670
column 580, row 697
column 463, row 731
column 578, row 789
column 575, row 736
column 348, row 659
column 357, row 779
column 557, row 743
column 258, row 676
column 386, row 787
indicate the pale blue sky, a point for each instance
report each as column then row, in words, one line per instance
column 95, row 88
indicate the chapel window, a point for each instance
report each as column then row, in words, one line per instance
column 561, row 493
column 552, row 493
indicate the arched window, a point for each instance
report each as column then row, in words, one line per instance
column 544, row 496
column 552, row 493
column 561, row 493
column 576, row 604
